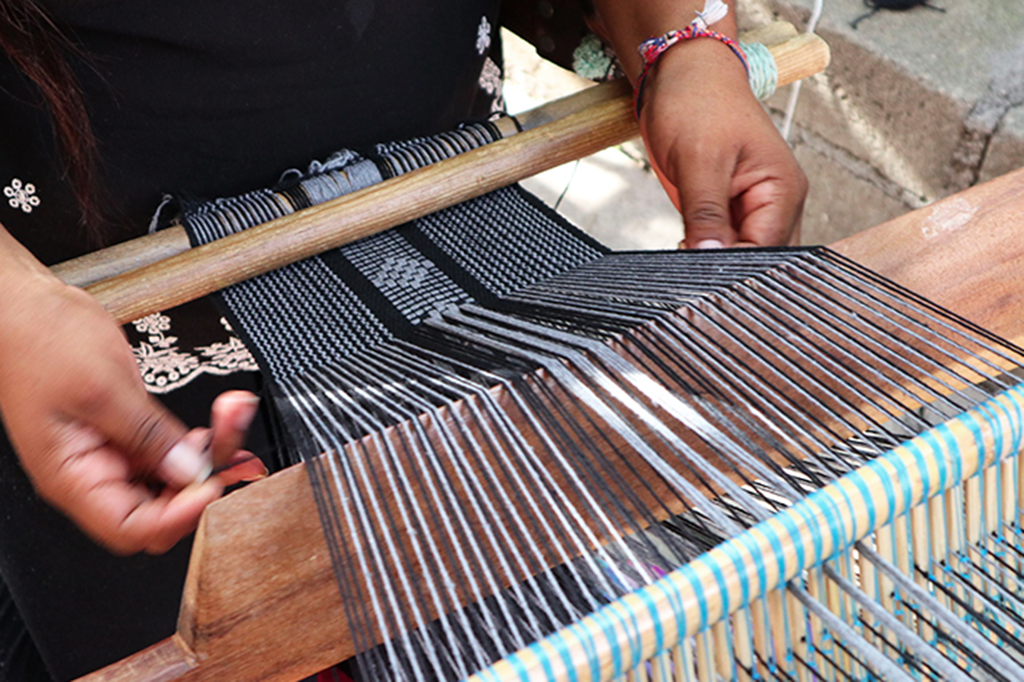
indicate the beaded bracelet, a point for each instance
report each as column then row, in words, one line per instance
column 651, row 49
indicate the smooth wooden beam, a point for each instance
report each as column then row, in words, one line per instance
column 965, row 253
column 165, row 272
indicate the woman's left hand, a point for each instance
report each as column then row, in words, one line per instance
column 718, row 154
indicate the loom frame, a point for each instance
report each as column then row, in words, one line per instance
column 236, row 531
column 230, row 629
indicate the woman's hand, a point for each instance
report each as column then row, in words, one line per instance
column 93, row 442
column 716, row 151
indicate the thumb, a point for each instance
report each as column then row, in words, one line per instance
column 704, row 203
column 153, row 439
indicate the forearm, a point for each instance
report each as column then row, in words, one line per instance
column 627, row 23
column 16, row 261
column 19, row 272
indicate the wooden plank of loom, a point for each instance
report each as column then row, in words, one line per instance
column 965, row 253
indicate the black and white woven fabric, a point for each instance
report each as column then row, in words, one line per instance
column 381, row 287
column 486, row 393
column 337, row 315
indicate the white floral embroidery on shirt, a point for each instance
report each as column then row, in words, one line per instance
column 491, row 83
column 21, row 196
column 165, row 367
column 483, row 36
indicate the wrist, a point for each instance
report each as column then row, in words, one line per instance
column 626, row 24
column 21, row 274
column 703, row 61
column 702, row 56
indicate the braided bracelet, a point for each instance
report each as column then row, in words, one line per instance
column 651, row 49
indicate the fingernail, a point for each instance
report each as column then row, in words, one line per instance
column 246, row 412
column 206, row 451
column 258, row 476
column 709, row 244
column 183, row 464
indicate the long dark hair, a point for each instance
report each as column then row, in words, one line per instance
column 38, row 48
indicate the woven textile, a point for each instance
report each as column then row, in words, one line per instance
column 380, row 287
column 496, row 415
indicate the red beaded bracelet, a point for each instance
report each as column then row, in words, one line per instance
column 652, row 49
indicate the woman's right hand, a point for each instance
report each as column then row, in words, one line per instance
column 94, row 443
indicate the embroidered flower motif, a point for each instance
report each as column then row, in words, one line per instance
column 483, row 36
column 164, row 366
column 152, row 324
column 232, row 356
column 21, row 196
column 492, row 83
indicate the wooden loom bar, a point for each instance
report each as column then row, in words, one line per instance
column 205, row 269
column 238, row 257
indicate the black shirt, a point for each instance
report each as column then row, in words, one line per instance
column 216, row 98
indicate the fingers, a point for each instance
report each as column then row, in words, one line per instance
column 769, row 202
column 243, row 466
column 118, row 510
column 154, row 440
column 188, row 461
column 756, row 201
column 155, row 524
column 767, row 212
column 150, row 436
column 230, row 416
column 127, row 510
column 732, row 176
column 131, row 508
column 704, row 203
column 93, row 442
column 768, row 223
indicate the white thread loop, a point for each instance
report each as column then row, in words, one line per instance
column 713, row 12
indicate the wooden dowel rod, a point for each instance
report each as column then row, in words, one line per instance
column 599, row 117
column 269, row 246
column 121, row 258
column 142, row 251
column 153, row 248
